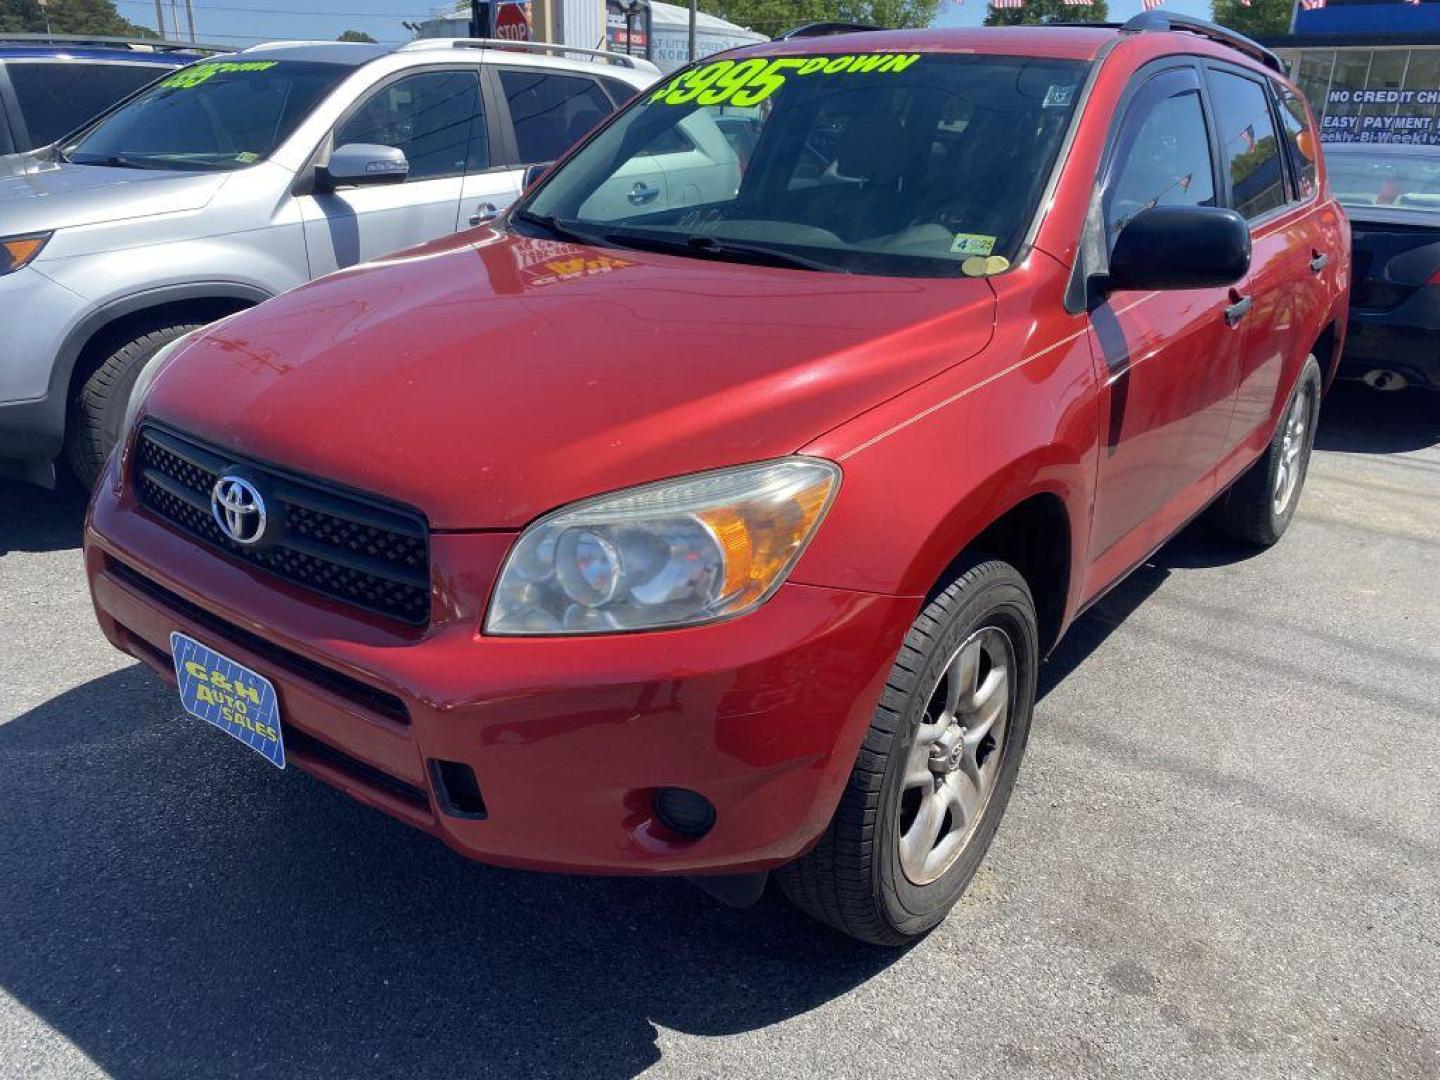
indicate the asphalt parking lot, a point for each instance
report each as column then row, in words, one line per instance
column 1223, row 857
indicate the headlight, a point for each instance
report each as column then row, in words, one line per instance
column 669, row 554
column 17, row 252
column 149, row 372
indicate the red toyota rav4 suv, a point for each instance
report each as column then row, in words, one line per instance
column 711, row 513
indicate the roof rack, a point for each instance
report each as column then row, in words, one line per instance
column 1152, row 21
column 825, row 29
column 135, row 44
column 544, row 47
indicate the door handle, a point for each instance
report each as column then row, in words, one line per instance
column 1239, row 309
column 486, row 211
column 1319, row 262
column 642, row 193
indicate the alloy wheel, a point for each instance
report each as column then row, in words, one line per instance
column 953, row 764
column 1292, row 449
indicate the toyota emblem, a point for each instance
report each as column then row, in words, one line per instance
column 238, row 508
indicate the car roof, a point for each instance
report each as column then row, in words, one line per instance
column 593, row 62
column 1060, row 42
column 93, row 54
column 344, row 53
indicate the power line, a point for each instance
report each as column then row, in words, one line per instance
column 207, row 35
column 276, row 11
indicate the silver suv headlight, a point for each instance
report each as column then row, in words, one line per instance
column 676, row 553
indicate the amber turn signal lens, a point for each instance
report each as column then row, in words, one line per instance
column 18, row 251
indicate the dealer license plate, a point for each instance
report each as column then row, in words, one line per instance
column 229, row 696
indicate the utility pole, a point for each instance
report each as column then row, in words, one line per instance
column 694, row 14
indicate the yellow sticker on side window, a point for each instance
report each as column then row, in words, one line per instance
column 749, row 82
column 972, row 244
column 199, row 73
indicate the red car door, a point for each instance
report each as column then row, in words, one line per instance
column 1295, row 252
column 1279, row 288
column 1167, row 361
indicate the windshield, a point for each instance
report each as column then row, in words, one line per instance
column 1404, row 181
column 211, row 115
column 899, row 164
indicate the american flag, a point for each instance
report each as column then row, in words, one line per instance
column 1150, row 5
column 1248, row 137
column 1312, row 5
column 1077, row 3
column 1007, row 3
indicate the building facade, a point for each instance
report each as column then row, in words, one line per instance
column 1370, row 69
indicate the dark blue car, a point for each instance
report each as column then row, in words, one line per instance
column 1391, row 193
column 50, row 85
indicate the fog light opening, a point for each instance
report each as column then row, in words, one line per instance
column 684, row 812
column 456, row 789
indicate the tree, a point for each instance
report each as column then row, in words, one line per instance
column 1036, row 12
column 94, row 17
column 356, row 35
column 776, row 16
column 1259, row 18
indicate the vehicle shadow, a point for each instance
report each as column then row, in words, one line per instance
column 34, row 519
column 1358, row 420
column 175, row 908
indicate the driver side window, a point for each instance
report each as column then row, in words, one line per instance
column 1163, row 159
column 435, row 117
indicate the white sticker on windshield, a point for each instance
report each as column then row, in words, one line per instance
column 972, row 244
column 1058, row 97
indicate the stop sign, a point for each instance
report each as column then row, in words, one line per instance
column 510, row 22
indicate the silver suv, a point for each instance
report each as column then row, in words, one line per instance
column 235, row 179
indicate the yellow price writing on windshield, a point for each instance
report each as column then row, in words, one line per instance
column 749, row 82
column 199, row 73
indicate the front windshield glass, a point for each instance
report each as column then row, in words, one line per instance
column 211, row 115
column 899, row 164
column 1405, row 181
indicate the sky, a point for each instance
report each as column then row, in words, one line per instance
column 243, row 22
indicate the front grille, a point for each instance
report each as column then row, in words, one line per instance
column 361, row 551
column 367, row 697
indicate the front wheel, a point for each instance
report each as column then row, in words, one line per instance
column 98, row 406
column 936, row 769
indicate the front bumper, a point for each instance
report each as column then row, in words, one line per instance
column 568, row 737
column 36, row 315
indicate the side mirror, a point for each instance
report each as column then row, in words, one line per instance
column 1180, row 247
column 533, row 173
column 358, row 164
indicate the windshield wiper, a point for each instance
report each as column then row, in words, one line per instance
column 761, row 254
column 561, row 230
column 113, row 161
column 713, row 247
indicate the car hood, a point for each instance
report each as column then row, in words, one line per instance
column 488, row 380
column 42, row 195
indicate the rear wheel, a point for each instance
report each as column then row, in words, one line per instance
column 1258, row 507
column 937, row 767
column 98, row 405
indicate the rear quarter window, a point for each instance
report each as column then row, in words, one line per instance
column 56, row 98
column 1249, row 144
column 1300, row 139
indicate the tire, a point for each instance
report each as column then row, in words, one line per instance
column 97, row 407
column 865, row 876
column 1252, row 511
